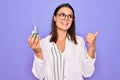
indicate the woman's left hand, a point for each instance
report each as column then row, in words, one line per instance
column 91, row 39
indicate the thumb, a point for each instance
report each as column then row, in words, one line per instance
column 96, row 34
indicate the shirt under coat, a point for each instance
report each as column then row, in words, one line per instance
column 78, row 63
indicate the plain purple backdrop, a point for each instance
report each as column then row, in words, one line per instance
column 91, row 15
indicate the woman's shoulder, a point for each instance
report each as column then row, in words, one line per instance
column 46, row 39
column 79, row 39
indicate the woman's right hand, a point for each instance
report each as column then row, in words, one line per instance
column 34, row 43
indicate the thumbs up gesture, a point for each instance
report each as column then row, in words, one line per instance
column 91, row 39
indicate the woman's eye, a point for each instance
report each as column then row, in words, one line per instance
column 62, row 14
column 70, row 16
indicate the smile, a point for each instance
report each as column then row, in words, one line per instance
column 64, row 23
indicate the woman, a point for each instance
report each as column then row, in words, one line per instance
column 62, row 55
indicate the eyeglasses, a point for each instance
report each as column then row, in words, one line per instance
column 63, row 16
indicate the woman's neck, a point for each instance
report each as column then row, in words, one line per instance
column 61, row 35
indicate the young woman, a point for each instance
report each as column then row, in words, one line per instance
column 62, row 55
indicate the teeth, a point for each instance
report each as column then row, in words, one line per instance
column 65, row 24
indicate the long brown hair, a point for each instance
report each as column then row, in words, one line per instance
column 71, row 30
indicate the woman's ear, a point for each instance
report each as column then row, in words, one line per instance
column 55, row 18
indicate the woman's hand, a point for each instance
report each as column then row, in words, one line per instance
column 91, row 39
column 34, row 43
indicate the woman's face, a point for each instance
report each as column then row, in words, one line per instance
column 63, row 18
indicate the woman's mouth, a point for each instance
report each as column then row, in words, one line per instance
column 64, row 23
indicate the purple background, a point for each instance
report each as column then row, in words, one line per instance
column 91, row 15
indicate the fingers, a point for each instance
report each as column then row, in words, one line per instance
column 33, row 40
column 93, row 35
column 37, row 40
column 90, row 38
column 96, row 34
column 29, row 40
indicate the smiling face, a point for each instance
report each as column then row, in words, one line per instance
column 63, row 18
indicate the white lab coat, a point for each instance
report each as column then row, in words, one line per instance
column 77, row 63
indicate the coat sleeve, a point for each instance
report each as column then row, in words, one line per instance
column 87, row 64
column 39, row 65
column 39, row 68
